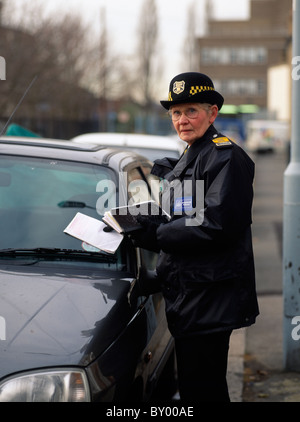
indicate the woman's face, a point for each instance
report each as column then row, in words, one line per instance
column 192, row 120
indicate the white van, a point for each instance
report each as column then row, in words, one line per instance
column 267, row 135
column 150, row 146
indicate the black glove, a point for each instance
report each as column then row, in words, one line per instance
column 107, row 229
column 146, row 237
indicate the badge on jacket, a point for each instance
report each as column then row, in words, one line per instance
column 222, row 142
column 183, row 204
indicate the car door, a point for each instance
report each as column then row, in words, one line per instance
column 143, row 186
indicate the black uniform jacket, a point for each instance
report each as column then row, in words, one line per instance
column 206, row 262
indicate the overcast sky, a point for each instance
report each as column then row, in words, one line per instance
column 122, row 21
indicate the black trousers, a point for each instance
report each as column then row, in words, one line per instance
column 202, row 367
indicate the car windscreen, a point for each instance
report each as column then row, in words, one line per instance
column 39, row 197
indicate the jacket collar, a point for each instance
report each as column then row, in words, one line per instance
column 193, row 152
column 170, row 169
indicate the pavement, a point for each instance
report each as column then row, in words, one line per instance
column 256, row 371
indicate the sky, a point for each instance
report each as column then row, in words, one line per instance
column 122, row 21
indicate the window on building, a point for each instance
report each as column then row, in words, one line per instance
column 240, row 87
column 234, row 55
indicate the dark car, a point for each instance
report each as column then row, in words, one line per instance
column 76, row 323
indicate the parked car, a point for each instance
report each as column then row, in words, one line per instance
column 151, row 146
column 75, row 322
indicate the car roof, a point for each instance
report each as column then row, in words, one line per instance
column 68, row 150
column 131, row 140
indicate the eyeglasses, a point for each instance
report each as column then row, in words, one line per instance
column 190, row 113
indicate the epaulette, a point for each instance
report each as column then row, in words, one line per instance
column 222, row 142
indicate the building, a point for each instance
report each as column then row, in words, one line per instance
column 238, row 54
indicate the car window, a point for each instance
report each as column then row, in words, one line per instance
column 39, row 197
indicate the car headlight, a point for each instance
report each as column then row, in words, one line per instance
column 60, row 385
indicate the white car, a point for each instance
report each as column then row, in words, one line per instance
column 150, row 146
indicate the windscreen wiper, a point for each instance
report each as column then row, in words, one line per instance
column 58, row 254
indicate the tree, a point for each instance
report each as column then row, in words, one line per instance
column 76, row 73
column 55, row 51
column 190, row 55
column 147, row 50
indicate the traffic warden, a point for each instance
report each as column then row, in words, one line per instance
column 206, row 264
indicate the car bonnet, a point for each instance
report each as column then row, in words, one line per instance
column 51, row 319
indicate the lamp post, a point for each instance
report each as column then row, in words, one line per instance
column 291, row 218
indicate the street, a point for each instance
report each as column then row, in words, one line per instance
column 249, row 349
column 267, row 221
column 265, row 379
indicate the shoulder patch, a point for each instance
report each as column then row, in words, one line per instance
column 222, row 142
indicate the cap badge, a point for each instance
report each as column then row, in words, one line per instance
column 178, row 87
